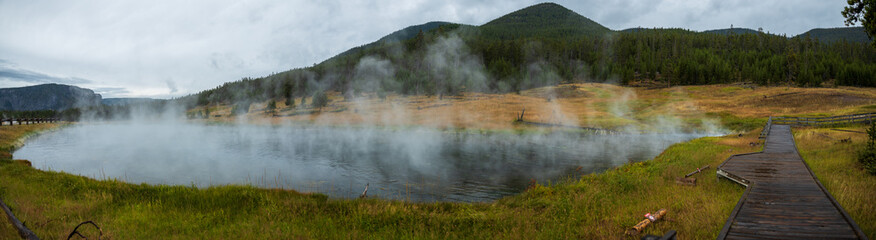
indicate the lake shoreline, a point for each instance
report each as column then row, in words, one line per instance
column 414, row 164
column 591, row 206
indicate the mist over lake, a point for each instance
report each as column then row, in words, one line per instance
column 416, row 164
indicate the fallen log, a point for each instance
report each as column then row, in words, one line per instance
column 697, row 171
column 649, row 218
column 843, row 130
column 22, row 230
column 364, row 193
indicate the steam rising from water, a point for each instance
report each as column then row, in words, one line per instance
column 415, row 164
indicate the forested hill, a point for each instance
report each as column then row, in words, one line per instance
column 545, row 20
column 47, row 97
column 851, row 34
column 733, row 31
column 547, row 44
column 400, row 35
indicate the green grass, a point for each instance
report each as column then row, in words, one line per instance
column 737, row 124
column 593, row 206
column 836, row 166
column 730, row 89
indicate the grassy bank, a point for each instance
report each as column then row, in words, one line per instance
column 835, row 164
column 585, row 104
column 592, row 206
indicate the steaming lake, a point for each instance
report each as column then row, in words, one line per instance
column 410, row 164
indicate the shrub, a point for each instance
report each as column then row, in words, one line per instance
column 319, row 99
column 272, row 106
column 290, row 102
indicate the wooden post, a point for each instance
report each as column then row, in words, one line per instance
column 520, row 117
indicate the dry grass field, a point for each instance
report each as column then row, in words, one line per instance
column 583, row 104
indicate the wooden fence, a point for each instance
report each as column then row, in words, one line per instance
column 26, row 121
column 822, row 121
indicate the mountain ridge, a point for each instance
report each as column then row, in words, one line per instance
column 398, row 35
column 850, row 34
column 726, row 31
column 499, row 43
column 515, row 48
column 50, row 96
column 543, row 19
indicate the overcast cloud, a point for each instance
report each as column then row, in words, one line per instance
column 165, row 49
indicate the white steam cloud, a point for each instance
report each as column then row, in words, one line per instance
column 159, row 146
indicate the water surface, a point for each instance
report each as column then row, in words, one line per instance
column 409, row 164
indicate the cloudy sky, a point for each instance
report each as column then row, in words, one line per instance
column 164, row 49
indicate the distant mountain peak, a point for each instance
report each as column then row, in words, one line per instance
column 543, row 19
column 546, row 9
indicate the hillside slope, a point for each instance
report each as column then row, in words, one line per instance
column 397, row 36
column 542, row 20
column 850, row 34
column 47, row 97
column 547, row 44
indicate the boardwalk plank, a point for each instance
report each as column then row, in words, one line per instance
column 784, row 199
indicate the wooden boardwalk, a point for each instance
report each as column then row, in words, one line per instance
column 783, row 199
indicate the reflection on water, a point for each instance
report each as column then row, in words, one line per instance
column 416, row 165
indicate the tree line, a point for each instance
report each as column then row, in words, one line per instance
column 669, row 56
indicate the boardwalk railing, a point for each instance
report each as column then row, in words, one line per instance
column 822, row 121
column 766, row 129
column 26, row 121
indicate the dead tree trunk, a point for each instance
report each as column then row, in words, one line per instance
column 22, row 230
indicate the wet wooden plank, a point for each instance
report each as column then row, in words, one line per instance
column 784, row 200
